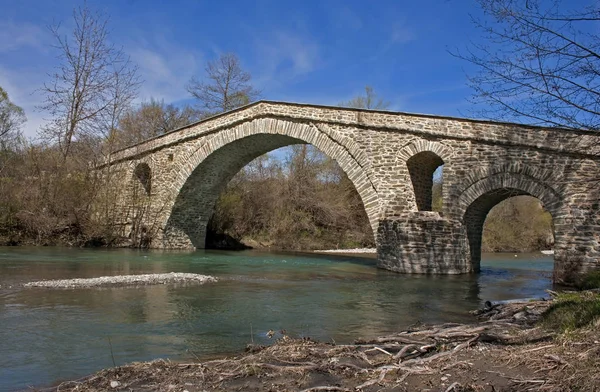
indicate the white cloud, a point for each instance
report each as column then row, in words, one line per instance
column 284, row 56
column 165, row 68
column 15, row 36
column 22, row 88
column 401, row 34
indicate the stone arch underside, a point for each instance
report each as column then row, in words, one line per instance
column 421, row 167
column 205, row 172
column 143, row 174
column 421, row 158
column 477, row 200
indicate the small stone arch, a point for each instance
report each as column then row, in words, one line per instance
column 143, row 174
column 441, row 150
column 476, row 201
column 422, row 158
column 202, row 174
column 421, row 167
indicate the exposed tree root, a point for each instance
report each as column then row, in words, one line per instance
column 502, row 352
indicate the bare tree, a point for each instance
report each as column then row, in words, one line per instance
column 92, row 78
column 12, row 118
column 227, row 86
column 151, row 119
column 539, row 63
column 123, row 92
column 369, row 101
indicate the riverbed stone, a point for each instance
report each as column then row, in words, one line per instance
column 166, row 187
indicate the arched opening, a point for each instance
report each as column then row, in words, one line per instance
column 507, row 220
column 195, row 203
column 518, row 224
column 293, row 198
column 421, row 168
column 437, row 189
column 144, row 175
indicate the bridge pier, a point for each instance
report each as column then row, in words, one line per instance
column 423, row 243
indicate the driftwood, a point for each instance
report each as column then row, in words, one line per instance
column 370, row 364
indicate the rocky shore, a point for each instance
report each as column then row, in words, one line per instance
column 505, row 350
column 123, row 280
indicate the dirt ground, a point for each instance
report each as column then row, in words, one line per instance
column 503, row 351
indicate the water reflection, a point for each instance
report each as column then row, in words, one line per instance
column 48, row 335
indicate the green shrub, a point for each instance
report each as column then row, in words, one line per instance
column 589, row 281
column 572, row 311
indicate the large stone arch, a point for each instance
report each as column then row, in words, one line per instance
column 478, row 198
column 202, row 174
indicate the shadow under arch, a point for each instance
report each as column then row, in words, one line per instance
column 422, row 158
column 421, row 167
column 143, row 173
column 215, row 163
column 478, row 199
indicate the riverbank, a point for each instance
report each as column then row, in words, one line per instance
column 511, row 347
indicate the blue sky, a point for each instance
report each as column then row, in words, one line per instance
column 320, row 52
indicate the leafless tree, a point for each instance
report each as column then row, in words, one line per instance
column 368, row 101
column 93, row 82
column 123, row 93
column 227, row 86
column 151, row 119
column 539, row 63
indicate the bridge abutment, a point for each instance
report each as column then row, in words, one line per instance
column 423, row 243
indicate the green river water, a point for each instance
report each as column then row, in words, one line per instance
column 48, row 335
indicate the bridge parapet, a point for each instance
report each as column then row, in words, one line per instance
column 554, row 139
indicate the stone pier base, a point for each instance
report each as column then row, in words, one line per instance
column 423, row 243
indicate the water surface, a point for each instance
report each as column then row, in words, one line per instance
column 50, row 335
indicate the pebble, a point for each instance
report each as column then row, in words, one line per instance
column 124, row 280
column 114, row 384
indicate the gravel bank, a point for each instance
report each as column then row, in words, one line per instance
column 124, row 280
column 356, row 250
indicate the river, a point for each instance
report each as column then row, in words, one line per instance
column 50, row 335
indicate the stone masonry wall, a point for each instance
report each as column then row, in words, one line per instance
column 389, row 157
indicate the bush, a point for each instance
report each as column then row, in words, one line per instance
column 572, row 311
column 590, row 281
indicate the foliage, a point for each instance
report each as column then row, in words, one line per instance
column 590, row 280
column 368, row 101
column 302, row 202
column 227, row 86
column 540, row 63
column 11, row 119
column 436, row 195
column 49, row 198
column 517, row 224
column 573, row 310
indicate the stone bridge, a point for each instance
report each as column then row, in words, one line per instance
column 167, row 186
